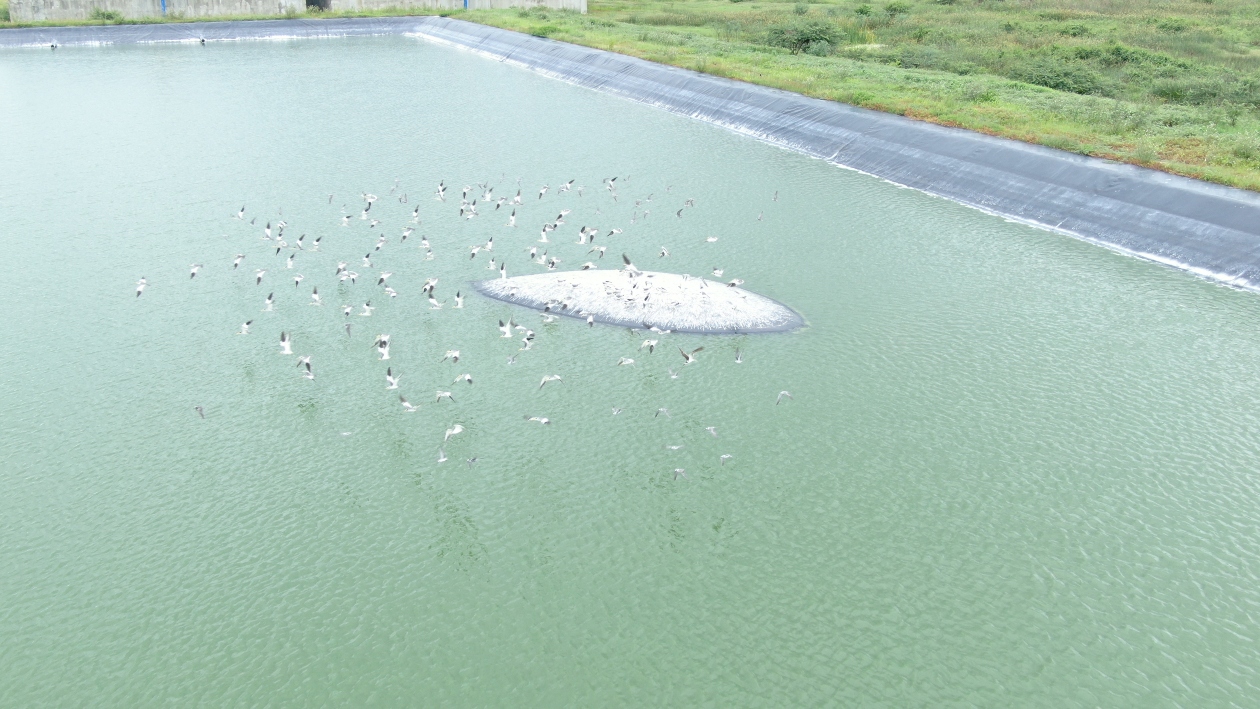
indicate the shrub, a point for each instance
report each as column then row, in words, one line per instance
column 819, row 48
column 1173, row 25
column 801, row 8
column 863, row 10
column 796, row 36
column 1076, row 30
column 1061, row 75
column 105, row 15
column 544, row 30
column 897, row 7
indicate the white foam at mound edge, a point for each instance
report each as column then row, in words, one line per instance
column 668, row 301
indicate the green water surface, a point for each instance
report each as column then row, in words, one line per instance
column 1016, row 470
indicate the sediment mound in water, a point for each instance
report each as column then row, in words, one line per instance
column 646, row 299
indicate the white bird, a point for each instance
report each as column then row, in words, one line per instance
column 664, row 252
column 712, row 430
column 288, row 263
column 241, row 214
column 459, row 300
column 384, row 277
column 286, row 345
column 782, row 394
column 391, row 292
column 269, row 304
column 589, row 266
column 540, row 419
column 463, row 378
column 258, row 275
column 718, row 272
column 141, row 285
column 550, row 378
column 598, row 249
column 308, row 374
column 245, row 327
column 662, row 411
column 650, row 345
column 512, row 219
column 445, row 395
column 391, row 380
column 616, row 411
column 441, row 192
column 442, row 455
column 739, row 356
column 345, row 220
column 543, row 191
column 345, row 310
column 429, row 285
column 680, row 471
column 407, row 405
column 452, row 355
column 192, row 270
column 453, row 431
column 736, row 282
column 382, row 346
column 434, row 304
column 673, row 448
column 624, row 361
column 470, row 462
column 724, row 457
column 367, row 310
column 673, row 374
column 711, row 239
column 267, row 231
column 315, row 296
column 505, row 328
column 689, row 358
column 297, row 280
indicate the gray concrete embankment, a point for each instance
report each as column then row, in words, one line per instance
column 1207, row 229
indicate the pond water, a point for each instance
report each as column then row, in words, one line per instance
column 1016, row 469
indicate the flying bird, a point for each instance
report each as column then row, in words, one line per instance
column 391, row 380
column 245, row 327
column 453, row 431
column 782, row 396
column 141, row 285
column 550, row 378
column 286, row 345
column 689, row 358
column 407, row 405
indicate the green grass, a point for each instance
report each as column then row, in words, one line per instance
column 1171, row 84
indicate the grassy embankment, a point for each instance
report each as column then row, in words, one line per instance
column 1173, row 84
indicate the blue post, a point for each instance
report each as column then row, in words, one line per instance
column 164, row 6
column 465, row 4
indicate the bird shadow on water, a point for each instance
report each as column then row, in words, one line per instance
column 458, row 539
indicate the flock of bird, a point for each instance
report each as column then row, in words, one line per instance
column 281, row 251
